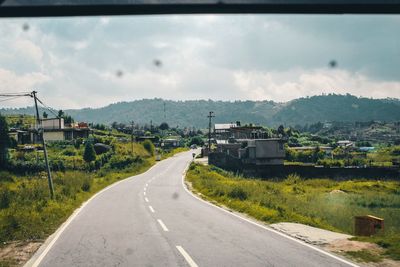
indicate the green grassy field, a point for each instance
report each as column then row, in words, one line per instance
column 322, row 203
column 27, row 212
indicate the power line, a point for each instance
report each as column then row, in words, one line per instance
column 10, row 98
column 15, row 94
column 47, row 107
column 30, row 94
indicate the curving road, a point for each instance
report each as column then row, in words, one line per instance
column 152, row 220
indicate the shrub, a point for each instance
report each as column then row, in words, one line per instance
column 78, row 142
column 121, row 162
column 5, row 197
column 292, row 179
column 148, row 145
column 238, row 193
column 86, row 185
column 196, row 140
column 25, row 167
column 6, row 177
column 57, row 165
column 89, row 154
column 69, row 152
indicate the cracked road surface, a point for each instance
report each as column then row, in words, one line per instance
column 151, row 220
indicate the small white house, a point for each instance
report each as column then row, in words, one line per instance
column 345, row 143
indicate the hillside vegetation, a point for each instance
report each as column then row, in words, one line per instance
column 191, row 113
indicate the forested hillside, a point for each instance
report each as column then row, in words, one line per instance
column 194, row 112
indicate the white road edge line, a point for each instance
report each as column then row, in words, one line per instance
column 262, row 226
column 187, row 257
column 146, row 199
column 61, row 229
column 151, row 208
column 162, row 225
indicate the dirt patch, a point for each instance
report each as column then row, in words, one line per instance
column 364, row 253
column 342, row 246
column 349, row 245
column 17, row 253
column 337, row 191
column 383, row 263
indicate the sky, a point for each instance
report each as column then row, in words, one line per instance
column 79, row 62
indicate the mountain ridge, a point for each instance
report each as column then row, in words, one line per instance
column 188, row 113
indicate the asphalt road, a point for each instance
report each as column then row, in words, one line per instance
column 151, row 220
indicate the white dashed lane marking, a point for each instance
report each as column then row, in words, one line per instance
column 162, row 225
column 187, row 257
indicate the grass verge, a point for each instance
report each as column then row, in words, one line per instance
column 322, row 203
column 28, row 214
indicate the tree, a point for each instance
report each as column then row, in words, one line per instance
column 4, row 141
column 281, row 130
column 164, row 126
column 68, row 119
column 196, row 140
column 114, row 125
column 60, row 113
column 89, row 154
column 45, row 115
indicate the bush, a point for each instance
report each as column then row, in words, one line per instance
column 5, row 197
column 196, row 140
column 6, row 177
column 292, row 179
column 57, row 165
column 238, row 193
column 78, row 142
column 69, row 152
column 25, row 167
column 121, row 162
column 148, row 145
column 86, row 185
column 89, row 154
column 330, row 162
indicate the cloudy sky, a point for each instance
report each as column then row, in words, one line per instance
column 95, row 61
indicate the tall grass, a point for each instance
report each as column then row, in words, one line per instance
column 323, row 203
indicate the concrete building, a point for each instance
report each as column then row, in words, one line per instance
column 255, row 151
column 263, row 152
column 54, row 130
column 53, row 124
column 225, row 131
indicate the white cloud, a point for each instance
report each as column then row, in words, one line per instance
column 295, row 83
column 73, row 61
column 13, row 83
column 28, row 49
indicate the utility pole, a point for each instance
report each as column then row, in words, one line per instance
column 209, row 129
column 41, row 134
column 132, row 123
column 165, row 114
